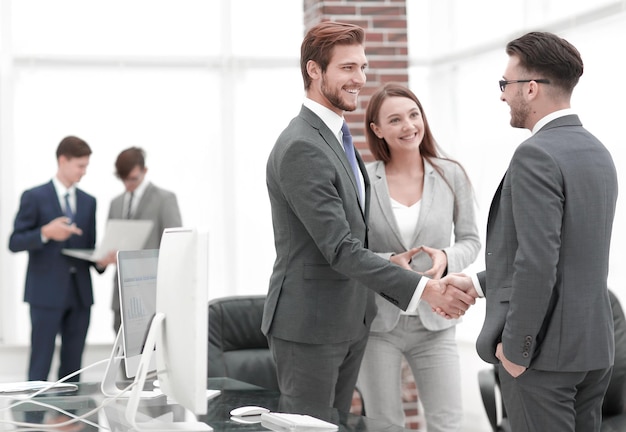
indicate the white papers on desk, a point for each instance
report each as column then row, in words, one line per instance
column 295, row 422
column 120, row 234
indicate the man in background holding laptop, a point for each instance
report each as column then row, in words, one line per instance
column 51, row 217
column 141, row 200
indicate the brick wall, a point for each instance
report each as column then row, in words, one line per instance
column 386, row 47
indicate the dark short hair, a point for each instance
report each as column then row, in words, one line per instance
column 128, row 159
column 548, row 56
column 320, row 40
column 73, row 147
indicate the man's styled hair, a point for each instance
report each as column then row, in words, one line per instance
column 548, row 56
column 73, row 147
column 320, row 40
column 128, row 159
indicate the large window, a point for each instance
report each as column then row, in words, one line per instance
column 205, row 87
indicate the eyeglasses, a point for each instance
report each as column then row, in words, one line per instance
column 504, row 83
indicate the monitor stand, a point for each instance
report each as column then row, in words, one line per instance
column 108, row 386
column 155, row 334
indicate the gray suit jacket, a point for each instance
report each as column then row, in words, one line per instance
column 547, row 253
column 318, row 289
column 156, row 204
column 443, row 208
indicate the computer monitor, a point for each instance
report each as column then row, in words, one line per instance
column 179, row 329
column 137, row 283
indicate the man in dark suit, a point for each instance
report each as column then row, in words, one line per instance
column 141, row 200
column 51, row 217
column 548, row 323
column 318, row 308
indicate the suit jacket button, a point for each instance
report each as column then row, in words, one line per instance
column 529, row 338
column 525, row 354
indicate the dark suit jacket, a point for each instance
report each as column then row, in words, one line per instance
column 317, row 291
column 48, row 274
column 547, row 253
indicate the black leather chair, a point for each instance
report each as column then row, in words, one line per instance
column 614, row 406
column 237, row 347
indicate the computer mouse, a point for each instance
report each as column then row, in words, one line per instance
column 246, row 411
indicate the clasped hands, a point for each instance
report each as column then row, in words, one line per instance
column 450, row 296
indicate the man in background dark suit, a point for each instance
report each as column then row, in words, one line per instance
column 51, row 217
column 318, row 308
column 548, row 324
column 141, row 200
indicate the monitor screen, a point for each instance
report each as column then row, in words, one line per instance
column 182, row 297
column 137, row 280
column 179, row 329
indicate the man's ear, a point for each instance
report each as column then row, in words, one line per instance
column 533, row 90
column 313, row 69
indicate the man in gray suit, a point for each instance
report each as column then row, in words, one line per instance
column 548, row 324
column 142, row 200
column 319, row 308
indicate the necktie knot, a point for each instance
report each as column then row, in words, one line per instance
column 345, row 129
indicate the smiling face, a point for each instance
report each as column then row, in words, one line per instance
column 514, row 94
column 400, row 124
column 338, row 87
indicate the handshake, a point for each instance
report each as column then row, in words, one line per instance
column 449, row 296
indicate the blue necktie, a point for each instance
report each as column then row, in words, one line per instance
column 348, row 146
column 68, row 208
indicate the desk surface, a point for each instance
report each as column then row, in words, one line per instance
column 234, row 394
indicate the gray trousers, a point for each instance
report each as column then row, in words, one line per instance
column 539, row 401
column 324, row 374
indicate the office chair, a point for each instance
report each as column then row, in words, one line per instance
column 237, row 347
column 614, row 405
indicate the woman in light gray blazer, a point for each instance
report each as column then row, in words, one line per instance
column 419, row 199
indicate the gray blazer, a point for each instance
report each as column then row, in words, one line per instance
column 318, row 288
column 443, row 208
column 547, row 253
column 157, row 205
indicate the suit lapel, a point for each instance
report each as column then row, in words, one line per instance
column 332, row 141
column 384, row 202
column 428, row 196
column 493, row 209
column 55, row 197
column 146, row 197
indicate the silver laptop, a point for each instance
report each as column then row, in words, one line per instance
column 120, row 234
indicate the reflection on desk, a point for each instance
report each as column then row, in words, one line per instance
column 234, row 394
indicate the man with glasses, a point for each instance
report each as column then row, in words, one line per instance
column 141, row 200
column 548, row 324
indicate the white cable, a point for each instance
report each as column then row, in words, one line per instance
column 25, row 426
column 26, row 398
